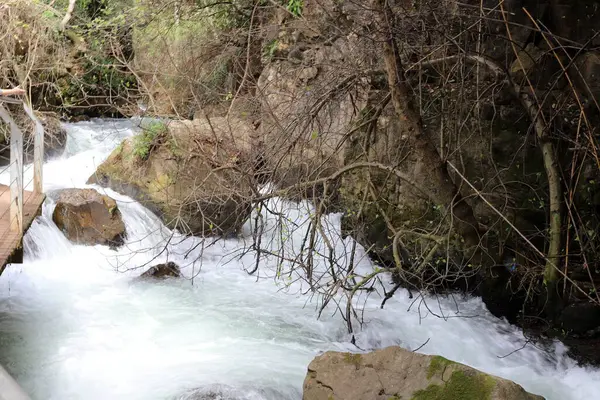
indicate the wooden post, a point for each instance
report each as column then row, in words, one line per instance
column 16, row 179
column 16, row 173
column 38, row 152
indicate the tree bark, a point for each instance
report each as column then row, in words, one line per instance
column 68, row 15
column 440, row 187
column 550, row 165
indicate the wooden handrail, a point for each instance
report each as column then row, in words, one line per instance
column 38, row 151
column 16, row 163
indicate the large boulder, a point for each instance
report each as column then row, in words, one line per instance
column 197, row 176
column 88, row 217
column 395, row 373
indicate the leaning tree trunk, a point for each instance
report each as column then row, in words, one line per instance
column 435, row 177
column 551, row 272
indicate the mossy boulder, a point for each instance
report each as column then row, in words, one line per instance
column 197, row 176
column 395, row 373
column 87, row 217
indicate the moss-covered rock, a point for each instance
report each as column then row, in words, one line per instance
column 394, row 373
column 196, row 175
column 461, row 386
column 437, row 365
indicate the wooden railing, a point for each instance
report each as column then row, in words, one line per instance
column 16, row 162
column 9, row 388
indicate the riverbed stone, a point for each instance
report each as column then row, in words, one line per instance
column 166, row 270
column 396, row 373
column 87, row 217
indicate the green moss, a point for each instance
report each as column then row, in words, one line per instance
column 161, row 183
column 353, row 359
column 438, row 364
column 113, row 170
column 461, row 386
column 433, row 392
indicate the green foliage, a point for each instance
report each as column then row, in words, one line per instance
column 50, row 15
column 295, row 7
column 151, row 136
column 97, row 28
column 231, row 14
column 102, row 31
column 194, row 64
column 270, row 49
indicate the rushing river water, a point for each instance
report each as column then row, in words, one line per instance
column 76, row 324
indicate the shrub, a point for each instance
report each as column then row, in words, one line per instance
column 151, row 137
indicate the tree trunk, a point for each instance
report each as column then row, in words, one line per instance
column 436, row 179
column 68, row 15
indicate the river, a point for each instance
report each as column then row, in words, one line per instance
column 76, row 324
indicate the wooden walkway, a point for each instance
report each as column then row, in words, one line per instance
column 18, row 207
column 11, row 249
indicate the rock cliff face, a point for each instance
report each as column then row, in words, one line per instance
column 394, row 373
column 309, row 99
column 196, row 175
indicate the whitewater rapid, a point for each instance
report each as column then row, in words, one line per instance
column 76, row 324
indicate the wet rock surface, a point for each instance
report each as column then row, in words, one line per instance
column 87, row 217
